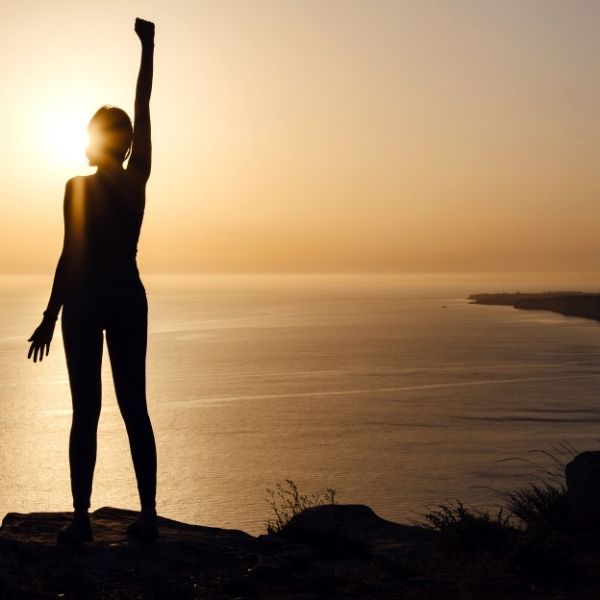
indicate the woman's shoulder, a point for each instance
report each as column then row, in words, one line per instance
column 74, row 190
column 82, row 191
column 79, row 182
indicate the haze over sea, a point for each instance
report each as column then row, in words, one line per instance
column 392, row 389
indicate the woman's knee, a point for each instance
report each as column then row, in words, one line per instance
column 136, row 416
column 86, row 416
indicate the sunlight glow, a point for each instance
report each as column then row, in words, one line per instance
column 65, row 138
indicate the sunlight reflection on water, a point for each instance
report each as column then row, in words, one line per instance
column 375, row 390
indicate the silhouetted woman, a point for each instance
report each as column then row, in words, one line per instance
column 97, row 284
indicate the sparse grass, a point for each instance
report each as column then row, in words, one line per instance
column 468, row 529
column 489, row 542
column 526, row 539
column 286, row 502
column 540, row 506
column 526, row 535
column 549, row 465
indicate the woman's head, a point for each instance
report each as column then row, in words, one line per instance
column 110, row 133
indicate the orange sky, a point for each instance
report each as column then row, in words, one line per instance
column 323, row 135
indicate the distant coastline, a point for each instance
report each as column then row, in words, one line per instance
column 571, row 304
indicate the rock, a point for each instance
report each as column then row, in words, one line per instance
column 354, row 530
column 191, row 561
column 326, row 552
column 184, row 559
column 583, row 492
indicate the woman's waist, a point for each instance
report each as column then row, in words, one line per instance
column 106, row 284
column 100, row 304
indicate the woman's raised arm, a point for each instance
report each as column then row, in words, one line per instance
column 141, row 150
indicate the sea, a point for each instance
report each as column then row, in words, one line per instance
column 394, row 390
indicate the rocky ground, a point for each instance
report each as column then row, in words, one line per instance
column 333, row 551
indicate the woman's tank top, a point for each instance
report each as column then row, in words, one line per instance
column 106, row 254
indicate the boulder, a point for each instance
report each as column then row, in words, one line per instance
column 355, row 531
column 583, row 492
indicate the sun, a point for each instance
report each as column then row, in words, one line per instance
column 65, row 137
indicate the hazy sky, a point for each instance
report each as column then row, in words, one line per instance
column 316, row 135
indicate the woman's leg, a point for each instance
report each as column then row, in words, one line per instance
column 126, row 338
column 83, row 341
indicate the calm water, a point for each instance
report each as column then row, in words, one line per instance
column 394, row 391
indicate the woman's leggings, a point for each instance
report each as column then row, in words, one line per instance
column 124, row 317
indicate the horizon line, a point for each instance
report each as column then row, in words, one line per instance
column 415, row 272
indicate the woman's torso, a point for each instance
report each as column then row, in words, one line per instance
column 106, row 225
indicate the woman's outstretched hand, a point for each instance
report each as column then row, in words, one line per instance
column 40, row 339
column 145, row 31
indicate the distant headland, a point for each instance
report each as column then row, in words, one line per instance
column 571, row 304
